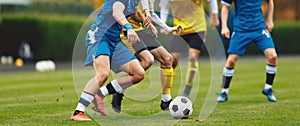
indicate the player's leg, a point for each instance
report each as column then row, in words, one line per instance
column 122, row 60
column 146, row 59
column 135, row 75
column 195, row 41
column 166, row 74
column 237, row 47
column 102, row 69
column 271, row 69
column 266, row 44
column 192, row 70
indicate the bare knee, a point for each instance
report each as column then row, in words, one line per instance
column 147, row 62
column 167, row 60
column 231, row 61
column 101, row 77
column 272, row 58
column 138, row 76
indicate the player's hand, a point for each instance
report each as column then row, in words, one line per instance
column 215, row 21
column 177, row 29
column 163, row 31
column 132, row 36
column 269, row 25
column 148, row 19
column 154, row 31
column 225, row 32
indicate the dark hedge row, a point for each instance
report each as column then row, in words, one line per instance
column 51, row 36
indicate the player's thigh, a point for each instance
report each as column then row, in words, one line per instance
column 264, row 40
column 162, row 55
column 121, row 55
column 101, row 65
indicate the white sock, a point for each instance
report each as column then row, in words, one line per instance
column 225, row 90
column 117, row 86
column 80, row 107
column 267, row 86
column 166, row 97
column 85, row 99
column 104, row 90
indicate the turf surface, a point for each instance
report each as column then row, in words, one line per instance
column 49, row 98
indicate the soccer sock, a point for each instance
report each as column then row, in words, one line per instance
column 111, row 88
column 270, row 75
column 227, row 76
column 191, row 72
column 166, row 97
column 167, row 76
column 84, row 101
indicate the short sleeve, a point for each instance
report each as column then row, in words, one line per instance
column 227, row 2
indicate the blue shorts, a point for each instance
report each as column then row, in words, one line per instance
column 240, row 40
column 117, row 52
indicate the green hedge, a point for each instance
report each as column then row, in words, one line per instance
column 51, row 36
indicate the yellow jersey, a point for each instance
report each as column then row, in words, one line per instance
column 190, row 14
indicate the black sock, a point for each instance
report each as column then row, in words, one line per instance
column 76, row 112
column 226, row 81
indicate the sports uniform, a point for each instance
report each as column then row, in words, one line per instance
column 184, row 13
column 103, row 38
column 248, row 27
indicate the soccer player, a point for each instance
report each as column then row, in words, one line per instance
column 105, row 52
column 190, row 14
column 249, row 26
column 148, row 49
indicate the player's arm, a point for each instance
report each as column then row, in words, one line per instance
column 224, row 17
column 118, row 14
column 214, row 9
column 164, row 12
column 270, row 11
column 152, row 28
column 145, row 6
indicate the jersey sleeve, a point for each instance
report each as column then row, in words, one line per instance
column 122, row 1
column 227, row 2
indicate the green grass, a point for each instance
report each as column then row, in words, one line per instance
column 49, row 98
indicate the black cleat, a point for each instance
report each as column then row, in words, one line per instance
column 116, row 102
column 165, row 105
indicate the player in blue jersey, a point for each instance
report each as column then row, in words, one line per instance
column 249, row 26
column 105, row 51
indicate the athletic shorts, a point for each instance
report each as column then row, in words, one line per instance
column 183, row 42
column 148, row 42
column 117, row 52
column 240, row 40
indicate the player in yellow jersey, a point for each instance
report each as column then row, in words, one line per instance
column 146, row 50
column 190, row 14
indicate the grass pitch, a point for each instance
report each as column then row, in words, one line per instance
column 49, row 98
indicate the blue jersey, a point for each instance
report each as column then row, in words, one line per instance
column 248, row 15
column 105, row 23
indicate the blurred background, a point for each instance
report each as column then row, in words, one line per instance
column 34, row 30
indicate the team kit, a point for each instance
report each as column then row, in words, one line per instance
column 117, row 41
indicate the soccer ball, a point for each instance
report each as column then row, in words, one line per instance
column 181, row 107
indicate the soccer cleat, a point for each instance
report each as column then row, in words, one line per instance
column 79, row 116
column 187, row 91
column 116, row 102
column 165, row 105
column 269, row 94
column 99, row 105
column 223, row 97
